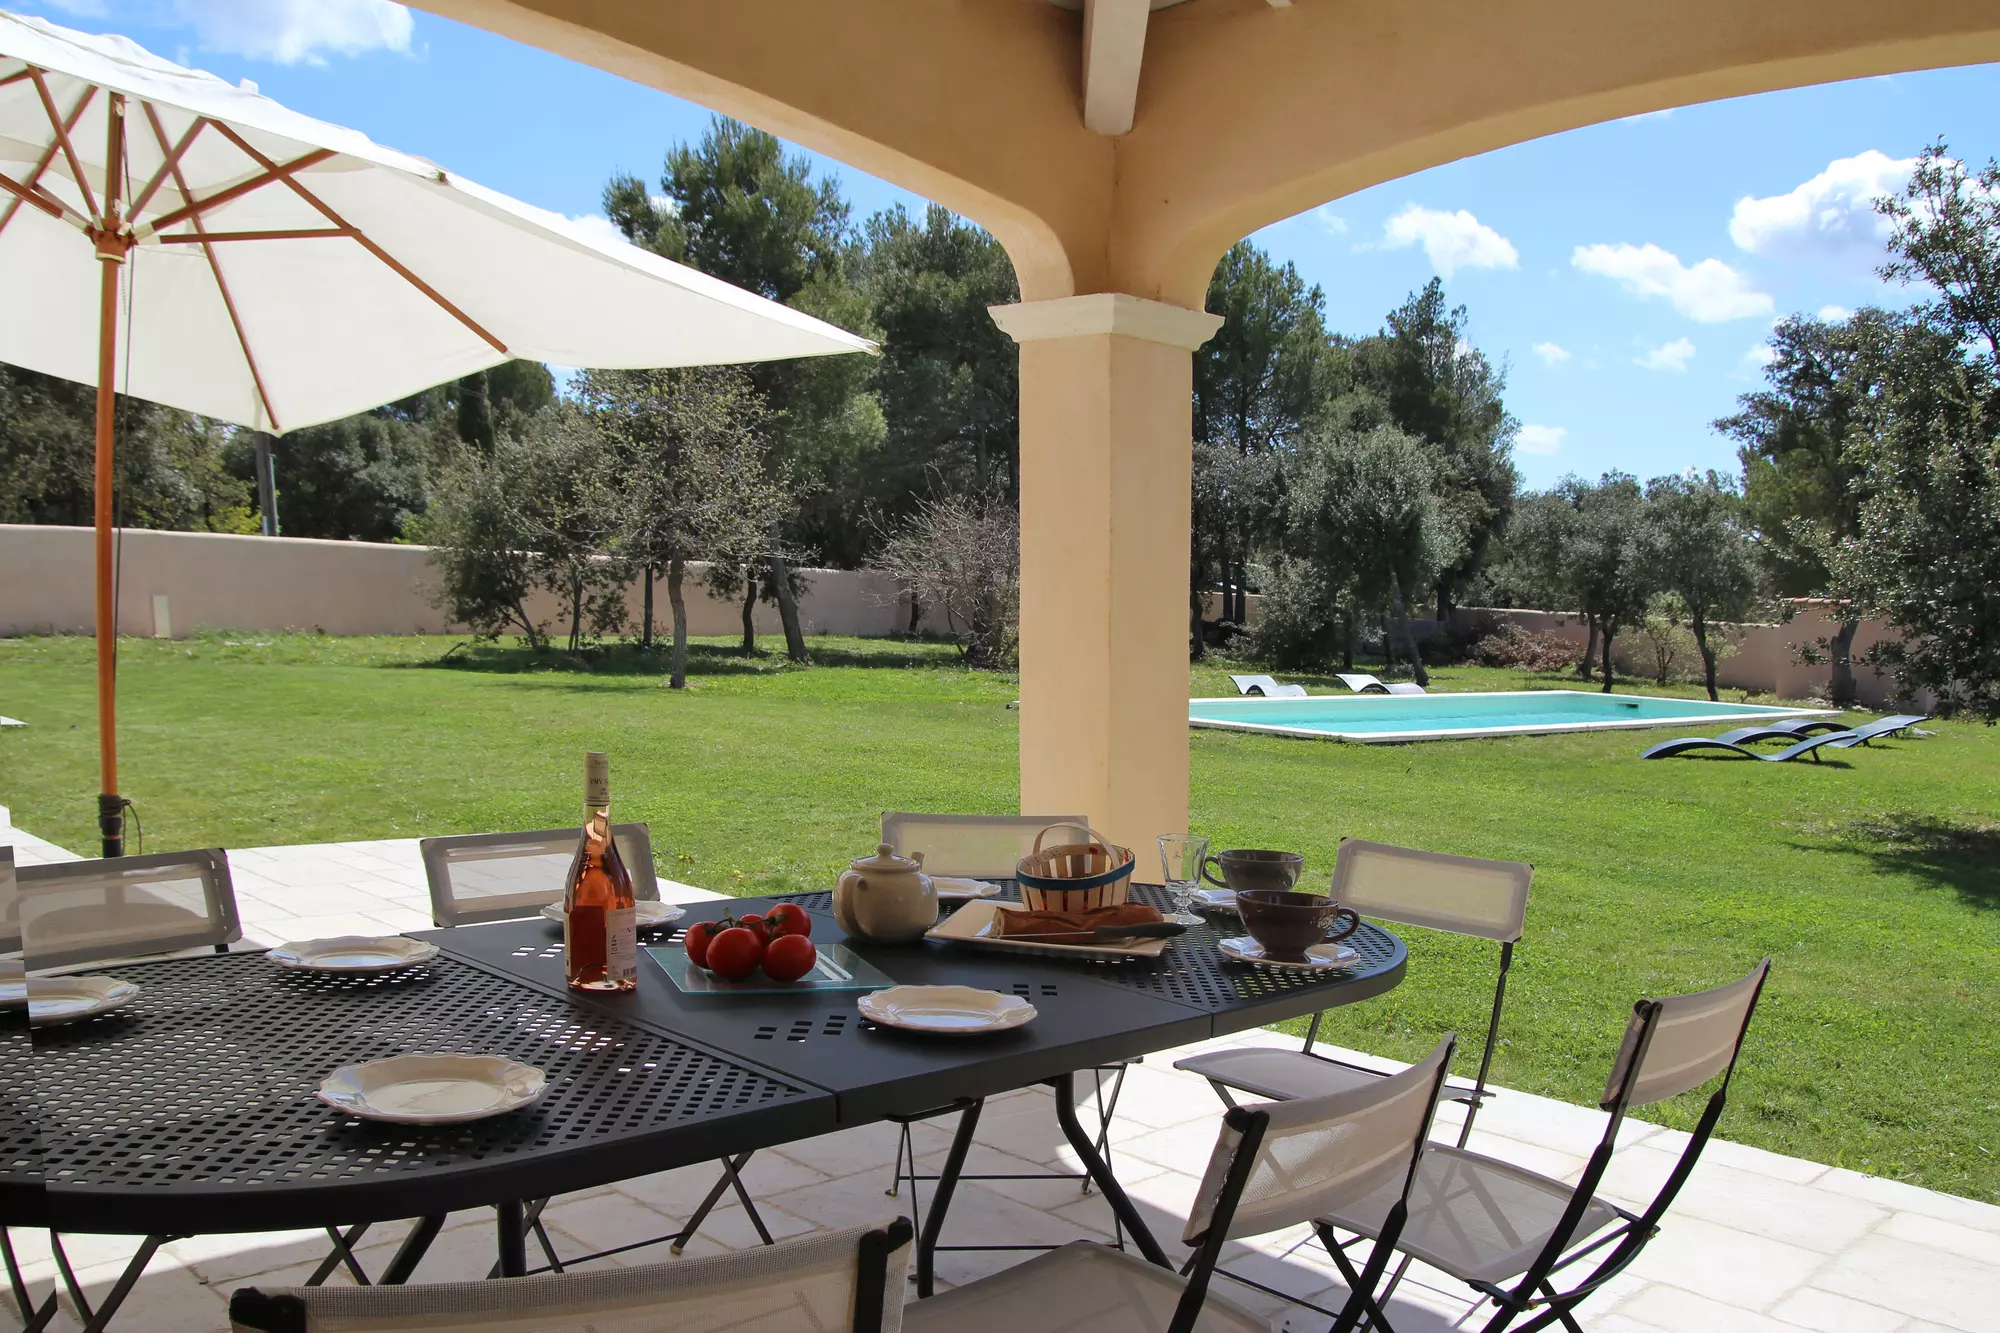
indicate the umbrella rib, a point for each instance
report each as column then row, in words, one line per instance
column 17, row 76
column 49, row 153
column 241, row 188
column 228, row 302
column 362, row 238
column 62, row 138
column 42, row 199
column 296, row 234
column 145, row 195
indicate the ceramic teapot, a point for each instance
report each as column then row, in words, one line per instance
column 886, row 898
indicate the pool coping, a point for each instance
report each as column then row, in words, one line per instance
column 1773, row 712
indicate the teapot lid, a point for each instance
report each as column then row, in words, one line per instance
column 885, row 858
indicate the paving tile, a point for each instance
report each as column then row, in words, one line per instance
column 679, row 1192
column 1744, row 1158
column 1824, row 1312
column 1742, row 1271
column 1679, row 1311
column 1967, row 1242
column 167, row 1300
column 1946, row 1289
column 1760, row 1205
column 1551, row 1162
column 1911, row 1198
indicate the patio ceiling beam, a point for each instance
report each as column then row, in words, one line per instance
column 1114, row 47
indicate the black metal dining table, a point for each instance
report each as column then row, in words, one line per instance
column 193, row 1111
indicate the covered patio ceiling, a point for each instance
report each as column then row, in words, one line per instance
column 1117, row 148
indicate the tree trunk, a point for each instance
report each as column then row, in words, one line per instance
column 1589, row 652
column 575, row 612
column 646, row 629
column 1421, row 676
column 1700, row 627
column 1353, row 629
column 916, row 611
column 534, row 636
column 1843, row 664
column 1196, row 648
column 788, row 610
column 749, row 611
column 1609, row 631
column 679, row 679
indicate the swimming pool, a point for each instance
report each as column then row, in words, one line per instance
column 1376, row 718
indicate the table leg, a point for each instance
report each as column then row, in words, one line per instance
column 511, row 1219
column 947, row 1182
column 411, row 1252
column 1107, row 1184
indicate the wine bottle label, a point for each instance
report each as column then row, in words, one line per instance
column 596, row 781
column 621, row 944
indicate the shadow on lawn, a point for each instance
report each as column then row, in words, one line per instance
column 703, row 659
column 1944, row 853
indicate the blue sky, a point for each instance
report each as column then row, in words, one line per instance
column 1626, row 274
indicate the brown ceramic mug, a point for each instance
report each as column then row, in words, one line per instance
column 1287, row 923
column 1251, row 869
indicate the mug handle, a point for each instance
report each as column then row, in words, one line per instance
column 1205, row 862
column 1353, row 924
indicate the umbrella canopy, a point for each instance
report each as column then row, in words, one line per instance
column 282, row 271
column 177, row 238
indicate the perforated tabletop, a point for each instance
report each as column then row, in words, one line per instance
column 193, row 1108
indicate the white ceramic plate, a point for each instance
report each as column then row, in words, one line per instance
column 354, row 955
column 959, row 1011
column 977, row 924
column 432, row 1089
column 1215, row 900
column 954, row 889
column 53, row 1000
column 646, row 913
column 1319, row 958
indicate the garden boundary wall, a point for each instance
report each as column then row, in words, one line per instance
column 176, row 583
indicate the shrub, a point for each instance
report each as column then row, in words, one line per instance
column 1534, row 650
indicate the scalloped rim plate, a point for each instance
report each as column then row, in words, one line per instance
column 953, row 1011
column 353, row 955
column 1319, row 958
column 959, row 889
column 647, row 914
column 432, row 1089
column 56, row 1000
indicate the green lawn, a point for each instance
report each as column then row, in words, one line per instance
column 1873, row 878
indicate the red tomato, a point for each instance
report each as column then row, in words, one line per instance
column 735, row 953
column 753, row 921
column 698, row 937
column 789, row 957
column 788, row 919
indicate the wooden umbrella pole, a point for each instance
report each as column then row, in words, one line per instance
column 111, row 251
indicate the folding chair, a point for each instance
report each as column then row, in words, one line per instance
column 1511, row 1234
column 1463, row 894
column 848, row 1281
column 481, row 877
column 74, row 913
column 1273, row 1166
column 15, row 1055
column 985, row 847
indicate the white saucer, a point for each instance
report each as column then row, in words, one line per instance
column 354, row 955
column 1319, row 958
column 958, row 1011
column 955, row 889
column 646, row 914
column 432, row 1089
column 55, row 1000
column 1215, row 900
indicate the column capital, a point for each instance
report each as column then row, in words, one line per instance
column 1102, row 313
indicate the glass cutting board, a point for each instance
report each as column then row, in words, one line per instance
column 838, row 958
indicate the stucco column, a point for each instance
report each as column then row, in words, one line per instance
column 1106, row 458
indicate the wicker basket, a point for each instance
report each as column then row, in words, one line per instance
column 1075, row 876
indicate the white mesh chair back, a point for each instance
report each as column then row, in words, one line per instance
column 1676, row 1044
column 11, row 969
column 125, row 906
column 1467, row 894
column 975, row 846
column 1320, row 1154
column 477, row 877
column 809, row 1285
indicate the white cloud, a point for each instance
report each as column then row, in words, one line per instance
column 1832, row 216
column 289, row 32
column 600, row 228
column 1552, row 354
column 1667, row 356
column 1331, row 220
column 1708, row 292
column 1759, row 356
column 1833, row 314
column 1451, row 240
column 1540, row 439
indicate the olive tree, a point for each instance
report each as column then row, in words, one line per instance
column 1694, row 543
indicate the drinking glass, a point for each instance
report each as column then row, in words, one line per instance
column 1181, row 856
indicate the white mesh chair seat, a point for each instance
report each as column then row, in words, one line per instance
column 975, row 846
column 1474, row 1217
column 480, row 877
column 808, row 1285
column 1081, row 1288
column 94, row 911
column 1287, row 1075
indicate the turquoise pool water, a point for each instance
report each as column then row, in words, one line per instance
column 1381, row 718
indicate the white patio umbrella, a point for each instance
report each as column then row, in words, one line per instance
column 188, row 241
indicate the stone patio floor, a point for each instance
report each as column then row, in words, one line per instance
column 1756, row 1243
